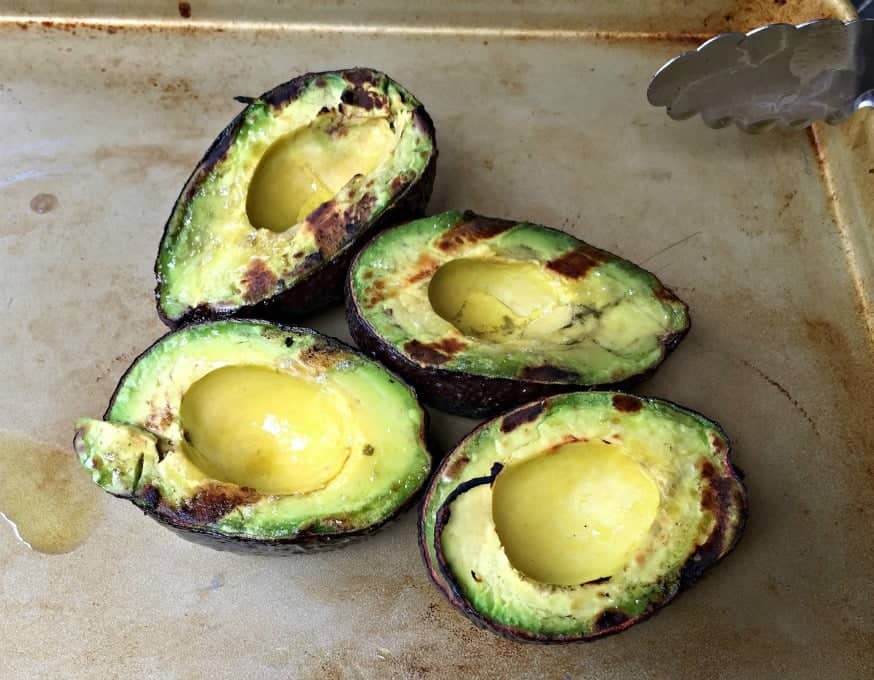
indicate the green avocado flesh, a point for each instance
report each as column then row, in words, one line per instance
column 512, row 300
column 251, row 430
column 578, row 515
column 288, row 186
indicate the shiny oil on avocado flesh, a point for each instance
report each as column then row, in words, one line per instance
column 259, row 437
column 481, row 314
column 303, row 172
column 579, row 515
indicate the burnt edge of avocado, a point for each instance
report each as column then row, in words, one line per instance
column 610, row 621
column 323, row 286
column 310, row 540
column 477, row 396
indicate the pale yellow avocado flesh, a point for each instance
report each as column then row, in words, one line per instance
column 500, row 300
column 269, row 431
column 574, row 514
column 307, row 167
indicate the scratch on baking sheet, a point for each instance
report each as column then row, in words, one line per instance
column 783, row 391
column 671, row 246
column 30, row 174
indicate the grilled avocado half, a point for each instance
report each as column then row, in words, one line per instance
column 254, row 437
column 579, row 515
column 481, row 314
column 269, row 220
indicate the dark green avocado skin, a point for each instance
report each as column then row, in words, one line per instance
column 324, row 286
column 301, row 544
column 466, row 394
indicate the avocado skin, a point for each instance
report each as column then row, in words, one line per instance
column 323, row 287
column 467, row 394
column 301, row 543
column 696, row 565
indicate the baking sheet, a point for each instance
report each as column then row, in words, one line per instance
column 540, row 115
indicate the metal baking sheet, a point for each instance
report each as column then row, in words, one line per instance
column 541, row 115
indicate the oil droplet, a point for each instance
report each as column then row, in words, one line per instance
column 43, row 203
column 45, row 495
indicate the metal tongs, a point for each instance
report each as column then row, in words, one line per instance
column 778, row 75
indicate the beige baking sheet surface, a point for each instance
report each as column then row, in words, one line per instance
column 541, row 115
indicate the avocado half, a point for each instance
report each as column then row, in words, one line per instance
column 579, row 515
column 253, row 437
column 269, row 220
column 481, row 314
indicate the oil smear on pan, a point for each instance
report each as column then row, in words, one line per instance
column 45, row 495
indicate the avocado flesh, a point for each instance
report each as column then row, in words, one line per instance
column 478, row 296
column 252, row 431
column 508, row 524
column 301, row 174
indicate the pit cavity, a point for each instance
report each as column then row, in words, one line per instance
column 574, row 514
column 499, row 300
column 307, row 167
column 265, row 430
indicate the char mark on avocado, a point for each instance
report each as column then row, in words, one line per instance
column 610, row 619
column 258, row 281
column 473, row 228
column 547, row 374
column 425, row 353
column 426, row 265
column 521, row 416
column 720, row 446
column 159, row 419
column 456, row 467
column 213, row 501
column 577, row 263
column 717, row 496
column 328, row 227
column 359, row 76
column 358, row 214
column 362, row 98
column 626, row 403
column 665, row 294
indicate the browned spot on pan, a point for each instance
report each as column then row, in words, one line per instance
column 471, row 229
column 854, row 378
column 577, row 263
column 626, row 403
column 185, row 10
column 258, row 281
column 521, row 416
